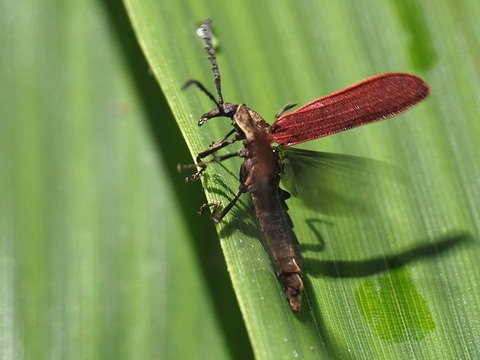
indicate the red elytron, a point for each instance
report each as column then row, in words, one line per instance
column 375, row 98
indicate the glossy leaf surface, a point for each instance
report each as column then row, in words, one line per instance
column 265, row 64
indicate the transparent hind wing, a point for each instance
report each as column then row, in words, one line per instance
column 337, row 184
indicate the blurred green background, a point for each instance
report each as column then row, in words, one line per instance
column 101, row 253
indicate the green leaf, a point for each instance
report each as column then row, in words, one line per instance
column 396, row 289
column 102, row 255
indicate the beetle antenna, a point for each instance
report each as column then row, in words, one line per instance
column 207, row 31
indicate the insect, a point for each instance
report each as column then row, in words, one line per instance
column 373, row 99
